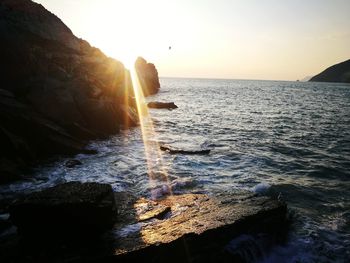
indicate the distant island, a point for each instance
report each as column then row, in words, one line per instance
column 336, row 73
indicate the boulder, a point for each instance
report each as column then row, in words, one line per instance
column 174, row 150
column 161, row 105
column 148, row 76
column 65, row 210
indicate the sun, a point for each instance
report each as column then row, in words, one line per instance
column 125, row 52
column 128, row 60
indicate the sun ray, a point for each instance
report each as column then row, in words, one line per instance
column 155, row 164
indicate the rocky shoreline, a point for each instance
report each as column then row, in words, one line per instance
column 72, row 222
column 57, row 92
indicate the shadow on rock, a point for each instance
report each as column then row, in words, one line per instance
column 87, row 222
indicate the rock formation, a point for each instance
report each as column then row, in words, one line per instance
column 56, row 90
column 148, row 76
column 65, row 211
column 336, row 73
column 196, row 227
column 179, row 228
column 162, row 105
column 175, row 150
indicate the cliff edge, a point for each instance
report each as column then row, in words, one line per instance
column 57, row 92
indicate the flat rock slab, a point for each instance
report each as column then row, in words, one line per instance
column 175, row 150
column 161, row 105
column 178, row 228
column 192, row 227
column 66, row 209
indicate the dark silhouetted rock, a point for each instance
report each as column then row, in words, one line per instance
column 174, row 150
column 26, row 136
column 161, row 105
column 57, row 92
column 90, row 151
column 73, row 163
column 179, row 228
column 148, row 76
column 9, row 171
column 129, row 117
column 65, row 210
column 337, row 73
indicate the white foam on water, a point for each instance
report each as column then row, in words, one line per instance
column 261, row 188
column 129, row 229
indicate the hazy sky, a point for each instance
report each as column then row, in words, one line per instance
column 250, row 39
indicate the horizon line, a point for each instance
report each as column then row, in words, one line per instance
column 218, row 78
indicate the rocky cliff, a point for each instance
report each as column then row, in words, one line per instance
column 56, row 90
column 336, row 73
column 148, row 76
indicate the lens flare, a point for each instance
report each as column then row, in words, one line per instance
column 158, row 176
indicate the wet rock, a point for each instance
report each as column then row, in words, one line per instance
column 73, row 163
column 179, row 228
column 196, row 228
column 147, row 210
column 65, row 210
column 161, row 105
column 173, row 150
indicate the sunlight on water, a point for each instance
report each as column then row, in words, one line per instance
column 156, row 169
column 269, row 137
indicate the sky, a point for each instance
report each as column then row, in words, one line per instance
column 250, row 39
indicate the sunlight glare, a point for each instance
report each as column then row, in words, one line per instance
column 128, row 60
column 155, row 165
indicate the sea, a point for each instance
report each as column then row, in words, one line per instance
column 267, row 137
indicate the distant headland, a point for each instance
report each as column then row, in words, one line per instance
column 336, row 73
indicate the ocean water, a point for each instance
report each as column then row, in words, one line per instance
column 270, row 137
